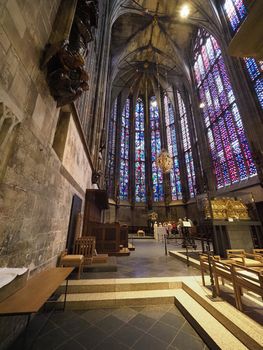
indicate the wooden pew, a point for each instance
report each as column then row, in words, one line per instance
column 204, row 265
column 239, row 256
column 223, row 270
column 247, row 278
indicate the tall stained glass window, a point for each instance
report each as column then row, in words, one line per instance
column 176, row 188
column 111, row 148
column 140, row 188
column 229, row 147
column 236, row 12
column 157, row 175
column 124, row 152
column 186, row 146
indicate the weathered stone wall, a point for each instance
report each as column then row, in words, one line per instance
column 36, row 186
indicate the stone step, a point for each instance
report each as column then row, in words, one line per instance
column 83, row 301
column 212, row 331
column 121, row 285
column 248, row 331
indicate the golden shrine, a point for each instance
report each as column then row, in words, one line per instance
column 225, row 208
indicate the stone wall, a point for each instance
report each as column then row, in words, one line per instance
column 36, row 186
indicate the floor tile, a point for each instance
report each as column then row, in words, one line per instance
column 163, row 331
column 128, row 334
column 111, row 344
column 71, row 345
column 142, row 322
column 74, row 326
column 155, row 312
column 187, row 328
column 149, row 342
column 109, row 324
column 93, row 316
column 51, row 340
column 124, row 314
column 173, row 320
column 91, row 337
column 185, row 341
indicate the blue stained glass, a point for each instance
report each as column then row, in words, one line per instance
column 236, row 12
column 228, row 144
column 186, row 145
column 252, row 68
column 140, row 184
column 259, row 91
column 157, row 175
column 124, row 152
column 111, row 150
column 175, row 181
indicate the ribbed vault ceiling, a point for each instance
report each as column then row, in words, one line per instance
column 150, row 41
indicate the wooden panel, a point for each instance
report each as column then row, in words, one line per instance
column 107, row 236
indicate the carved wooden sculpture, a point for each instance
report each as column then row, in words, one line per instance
column 65, row 54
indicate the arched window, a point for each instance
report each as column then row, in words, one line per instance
column 176, row 188
column 157, row 175
column 229, row 148
column 124, row 152
column 236, row 12
column 111, row 148
column 188, row 156
column 140, row 188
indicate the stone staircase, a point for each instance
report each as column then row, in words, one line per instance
column 219, row 324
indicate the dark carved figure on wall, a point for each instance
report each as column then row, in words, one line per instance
column 96, row 176
column 65, row 57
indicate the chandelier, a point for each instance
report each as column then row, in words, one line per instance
column 164, row 161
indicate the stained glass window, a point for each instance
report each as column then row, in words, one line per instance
column 228, row 144
column 236, row 12
column 157, row 175
column 140, row 188
column 111, row 148
column 124, row 152
column 188, row 155
column 175, row 180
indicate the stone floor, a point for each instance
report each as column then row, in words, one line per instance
column 150, row 327
column 148, row 260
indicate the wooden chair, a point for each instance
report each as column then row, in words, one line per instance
column 239, row 256
column 247, row 278
column 72, row 260
column 86, row 247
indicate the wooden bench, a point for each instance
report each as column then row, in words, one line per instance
column 223, row 270
column 247, row 278
column 204, row 265
column 239, row 256
column 37, row 290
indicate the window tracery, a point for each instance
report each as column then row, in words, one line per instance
column 232, row 159
column 236, row 12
